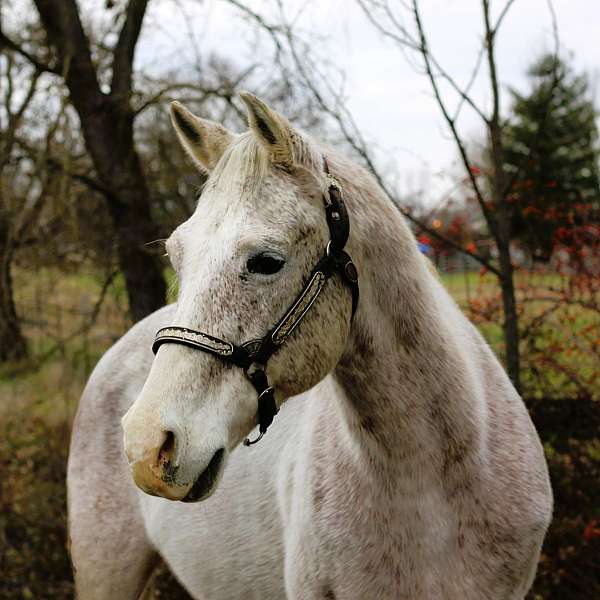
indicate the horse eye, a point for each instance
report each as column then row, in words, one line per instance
column 265, row 264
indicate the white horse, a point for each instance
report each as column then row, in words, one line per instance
column 403, row 464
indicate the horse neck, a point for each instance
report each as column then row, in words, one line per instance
column 407, row 378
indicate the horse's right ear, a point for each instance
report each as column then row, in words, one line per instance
column 274, row 131
column 205, row 141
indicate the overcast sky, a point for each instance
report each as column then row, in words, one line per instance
column 392, row 103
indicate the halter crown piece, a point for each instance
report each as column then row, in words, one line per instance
column 252, row 356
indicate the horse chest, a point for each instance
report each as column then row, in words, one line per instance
column 372, row 553
column 354, row 538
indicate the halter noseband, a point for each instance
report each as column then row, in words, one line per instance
column 252, row 356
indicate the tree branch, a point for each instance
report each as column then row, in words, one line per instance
column 65, row 32
column 6, row 42
column 406, row 40
column 470, row 83
column 490, row 35
column 424, row 49
column 225, row 92
column 505, row 10
column 122, row 65
column 54, row 163
column 14, row 120
column 272, row 30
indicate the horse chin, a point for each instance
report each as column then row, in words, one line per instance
column 208, row 480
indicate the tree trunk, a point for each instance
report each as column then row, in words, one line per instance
column 108, row 133
column 502, row 236
column 510, row 325
column 499, row 220
column 12, row 342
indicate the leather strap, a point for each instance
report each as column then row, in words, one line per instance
column 238, row 355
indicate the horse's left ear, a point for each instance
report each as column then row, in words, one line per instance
column 205, row 141
column 274, row 131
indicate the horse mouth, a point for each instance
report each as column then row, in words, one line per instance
column 205, row 484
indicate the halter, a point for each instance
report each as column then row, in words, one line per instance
column 252, row 356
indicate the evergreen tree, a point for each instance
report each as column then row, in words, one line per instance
column 551, row 156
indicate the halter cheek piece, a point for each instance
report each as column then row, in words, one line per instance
column 252, row 356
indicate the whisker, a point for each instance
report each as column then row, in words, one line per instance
column 163, row 240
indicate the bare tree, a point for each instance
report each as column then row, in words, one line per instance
column 100, row 81
column 107, row 120
column 493, row 203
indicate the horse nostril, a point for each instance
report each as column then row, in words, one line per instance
column 167, row 450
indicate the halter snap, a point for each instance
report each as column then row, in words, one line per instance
column 253, row 355
column 266, row 407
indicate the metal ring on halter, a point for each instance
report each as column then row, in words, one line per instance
column 249, row 442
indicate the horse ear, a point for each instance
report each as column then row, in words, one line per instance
column 272, row 129
column 205, row 141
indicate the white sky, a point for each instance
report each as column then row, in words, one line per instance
column 391, row 102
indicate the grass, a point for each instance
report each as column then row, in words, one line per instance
column 38, row 399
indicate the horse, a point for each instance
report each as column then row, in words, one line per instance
column 402, row 462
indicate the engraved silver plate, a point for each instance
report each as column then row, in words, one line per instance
column 299, row 309
column 197, row 338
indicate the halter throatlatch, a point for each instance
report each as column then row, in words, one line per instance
column 252, row 356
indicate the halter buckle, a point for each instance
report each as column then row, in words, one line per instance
column 350, row 272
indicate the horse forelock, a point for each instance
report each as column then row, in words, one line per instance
column 245, row 161
column 248, row 161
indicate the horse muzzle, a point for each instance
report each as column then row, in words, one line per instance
column 156, row 468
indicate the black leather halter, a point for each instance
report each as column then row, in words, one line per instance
column 252, row 356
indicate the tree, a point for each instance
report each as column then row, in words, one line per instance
column 552, row 154
column 12, row 112
column 493, row 201
column 107, row 119
column 98, row 74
